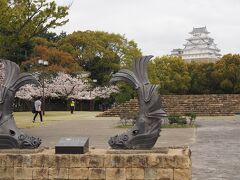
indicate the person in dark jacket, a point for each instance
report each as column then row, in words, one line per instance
column 38, row 109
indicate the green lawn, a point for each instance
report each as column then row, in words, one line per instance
column 24, row 119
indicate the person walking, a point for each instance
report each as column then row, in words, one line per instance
column 72, row 106
column 38, row 109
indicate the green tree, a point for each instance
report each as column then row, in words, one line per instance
column 100, row 53
column 49, row 39
column 227, row 86
column 22, row 20
column 171, row 73
column 126, row 92
column 203, row 79
column 52, row 36
column 227, row 73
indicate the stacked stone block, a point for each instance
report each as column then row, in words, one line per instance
column 130, row 106
column 175, row 165
column 204, row 105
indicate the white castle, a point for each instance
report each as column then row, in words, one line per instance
column 199, row 47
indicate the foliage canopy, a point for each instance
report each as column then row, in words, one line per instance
column 175, row 76
column 59, row 61
column 100, row 53
column 21, row 20
column 171, row 73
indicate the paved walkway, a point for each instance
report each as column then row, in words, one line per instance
column 215, row 144
column 216, row 153
column 99, row 130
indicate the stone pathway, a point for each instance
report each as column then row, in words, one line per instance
column 215, row 144
column 216, row 153
column 99, row 131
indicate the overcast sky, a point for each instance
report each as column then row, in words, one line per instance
column 158, row 26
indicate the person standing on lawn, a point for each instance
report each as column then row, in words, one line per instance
column 72, row 106
column 38, row 110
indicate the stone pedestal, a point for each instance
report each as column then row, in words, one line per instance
column 72, row 145
column 162, row 163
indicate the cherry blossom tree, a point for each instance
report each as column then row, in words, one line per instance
column 28, row 91
column 66, row 86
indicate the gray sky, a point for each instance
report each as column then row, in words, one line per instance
column 158, row 26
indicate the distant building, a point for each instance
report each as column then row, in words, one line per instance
column 177, row 52
column 199, row 47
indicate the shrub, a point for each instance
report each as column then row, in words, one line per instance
column 192, row 116
column 176, row 119
column 127, row 118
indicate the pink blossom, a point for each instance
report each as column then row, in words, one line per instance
column 66, row 86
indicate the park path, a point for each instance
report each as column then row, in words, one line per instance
column 215, row 144
column 99, row 131
column 216, row 152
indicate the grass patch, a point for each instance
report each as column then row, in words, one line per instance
column 163, row 126
column 123, row 126
column 178, row 126
column 24, row 119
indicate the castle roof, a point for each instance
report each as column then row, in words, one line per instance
column 199, row 30
column 177, row 49
column 198, row 46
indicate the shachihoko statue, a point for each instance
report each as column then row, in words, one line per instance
column 10, row 135
column 145, row 132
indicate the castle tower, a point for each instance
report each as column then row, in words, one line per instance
column 199, row 47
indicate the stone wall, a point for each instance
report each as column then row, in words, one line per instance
column 174, row 164
column 205, row 105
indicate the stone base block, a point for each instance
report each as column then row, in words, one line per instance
column 160, row 163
